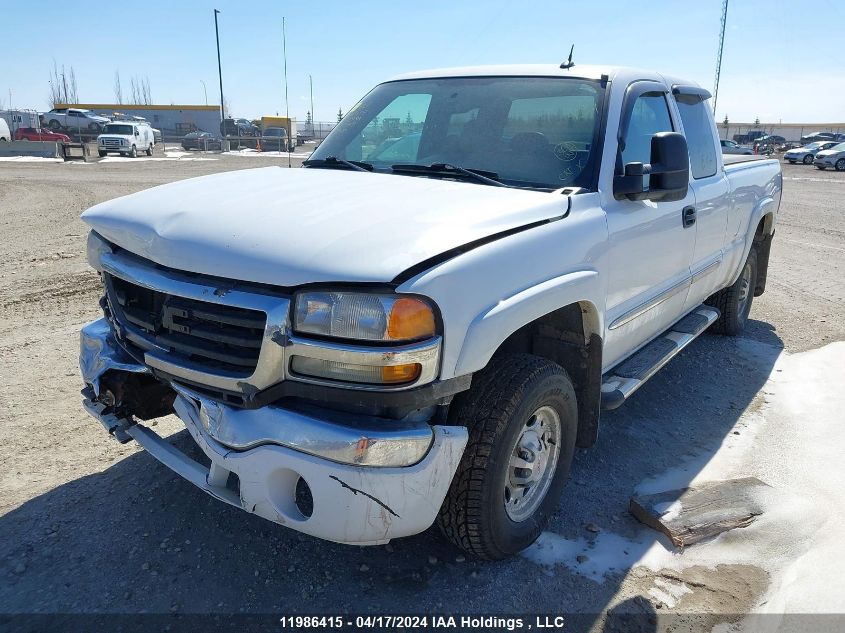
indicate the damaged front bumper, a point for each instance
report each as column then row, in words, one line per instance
column 367, row 483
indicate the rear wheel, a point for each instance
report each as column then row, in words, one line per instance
column 522, row 418
column 150, row 149
column 734, row 302
column 54, row 125
column 808, row 159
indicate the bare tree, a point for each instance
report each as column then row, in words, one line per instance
column 118, row 91
column 63, row 87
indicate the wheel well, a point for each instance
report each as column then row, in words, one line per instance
column 569, row 337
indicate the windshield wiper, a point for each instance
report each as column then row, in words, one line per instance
column 334, row 161
column 479, row 175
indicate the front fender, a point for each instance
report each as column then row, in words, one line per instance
column 489, row 329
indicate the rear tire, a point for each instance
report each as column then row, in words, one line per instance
column 521, row 409
column 54, row 125
column 734, row 302
column 150, row 149
column 808, row 159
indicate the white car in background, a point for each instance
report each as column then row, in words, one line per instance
column 833, row 157
column 732, row 147
column 126, row 138
column 808, row 152
column 74, row 119
column 5, row 134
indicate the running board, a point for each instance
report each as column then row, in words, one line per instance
column 622, row 381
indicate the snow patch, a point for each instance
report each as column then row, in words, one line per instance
column 794, row 442
column 30, row 159
column 669, row 592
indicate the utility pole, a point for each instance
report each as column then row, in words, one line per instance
column 291, row 130
column 219, row 66
column 719, row 57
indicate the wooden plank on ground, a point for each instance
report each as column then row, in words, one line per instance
column 691, row 514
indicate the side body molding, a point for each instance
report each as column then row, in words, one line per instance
column 490, row 328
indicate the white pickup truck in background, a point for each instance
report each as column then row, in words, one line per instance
column 385, row 339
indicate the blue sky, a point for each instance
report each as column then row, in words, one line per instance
column 772, row 67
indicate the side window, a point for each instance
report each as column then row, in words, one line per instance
column 699, row 133
column 649, row 116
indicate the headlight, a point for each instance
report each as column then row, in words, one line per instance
column 95, row 248
column 367, row 317
column 363, row 316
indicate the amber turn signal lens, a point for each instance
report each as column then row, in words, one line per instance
column 410, row 319
column 400, row 373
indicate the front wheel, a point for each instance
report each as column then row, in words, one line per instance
column 808, row 159
column 133, row 153
column 822, row 167
column 54, row 125
column 734, row 302
column 102, row 153
column 792, row 162
column 840, row 164
column 522, row 417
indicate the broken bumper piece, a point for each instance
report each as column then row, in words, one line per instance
column 275, row 455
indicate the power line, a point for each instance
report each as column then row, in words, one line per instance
column 719, row 57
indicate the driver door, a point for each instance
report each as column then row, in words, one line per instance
column 650, row 247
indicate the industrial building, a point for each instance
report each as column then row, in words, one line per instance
column 172, row 120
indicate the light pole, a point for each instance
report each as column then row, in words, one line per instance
column 311, row 85
column 219, row 66
column 204, row 91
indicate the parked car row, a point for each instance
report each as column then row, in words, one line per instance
column 833, row 157
column 807, row 153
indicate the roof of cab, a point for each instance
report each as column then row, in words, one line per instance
column 585, row 71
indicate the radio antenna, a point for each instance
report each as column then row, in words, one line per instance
column 287, row 106
column 568, row 63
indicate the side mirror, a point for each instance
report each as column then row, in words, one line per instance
column 668, row 172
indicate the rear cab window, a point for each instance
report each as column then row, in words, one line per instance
column 699, row 133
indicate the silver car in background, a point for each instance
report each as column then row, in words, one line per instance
column 732, row 147
column 833, row 157
column 808, row 152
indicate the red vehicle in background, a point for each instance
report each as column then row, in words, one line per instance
column 39, row 134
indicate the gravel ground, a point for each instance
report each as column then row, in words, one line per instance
column 88, row 525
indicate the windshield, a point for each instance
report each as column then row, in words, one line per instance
column 814, row 145
column 118, row 129
column 839, row 147
column 528, row 131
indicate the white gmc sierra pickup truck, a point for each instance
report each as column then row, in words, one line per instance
column 423, row 323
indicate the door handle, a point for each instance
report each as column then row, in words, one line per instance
column 688, row 216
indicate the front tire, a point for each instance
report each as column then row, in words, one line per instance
column 840, row 164
column 734, row 302
column 808, row 159
column 522, row 417
column 822, row 167
column 101, row 153
column 54, row 125
column 133, row 153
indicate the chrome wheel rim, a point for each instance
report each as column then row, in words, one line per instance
column 532, row 464
column 745, row 288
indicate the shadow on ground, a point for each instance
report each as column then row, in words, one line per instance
column 135, row 537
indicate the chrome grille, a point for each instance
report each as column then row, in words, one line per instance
column 111, row 142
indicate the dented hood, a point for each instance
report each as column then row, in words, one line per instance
column 293, row 226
